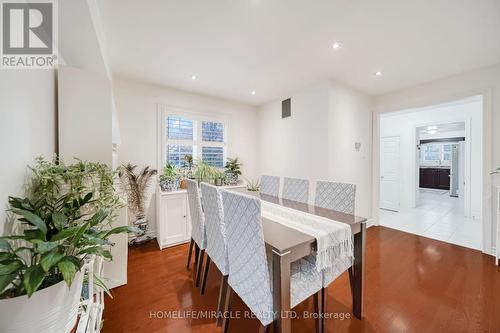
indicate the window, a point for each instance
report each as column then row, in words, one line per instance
column 197, row 135
column 435, row 154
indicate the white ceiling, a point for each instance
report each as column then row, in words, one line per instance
column 458, row 129
column 277, row 46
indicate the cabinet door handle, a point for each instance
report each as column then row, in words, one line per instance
column 184, row 216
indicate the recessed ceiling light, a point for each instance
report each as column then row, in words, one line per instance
column 253, row 92
column 432, row 128
column 432, row 132
column 194, row 77
column 378, row 73
column 336, row 45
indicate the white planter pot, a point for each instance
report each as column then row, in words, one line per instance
column 51, row 310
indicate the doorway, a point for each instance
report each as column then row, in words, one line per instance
column 431, row 172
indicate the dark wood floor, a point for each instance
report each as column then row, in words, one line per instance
column 413, row 284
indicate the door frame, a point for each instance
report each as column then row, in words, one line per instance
column 467, row 171
column 399, row 171
column 423, row 101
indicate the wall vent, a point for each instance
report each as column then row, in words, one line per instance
column 286, row 108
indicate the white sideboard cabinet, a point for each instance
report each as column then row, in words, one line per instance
column 173, row 225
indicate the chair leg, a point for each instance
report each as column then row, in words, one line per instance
column 205, row 275
column 320, row 308
column 200, row 266
column 227, row 309
column 196, row 256
column 222, row 298
column 190, row 252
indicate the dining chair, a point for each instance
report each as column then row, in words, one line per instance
column 339, row 197
column 249, row 266
column 335, row 196
column 198, row 234
column 296, row 189
column 216, row 248
column 270, row 185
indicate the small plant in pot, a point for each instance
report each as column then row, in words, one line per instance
column 220, row 177
column 60, row 223
column 233, row 171
column 170, row 179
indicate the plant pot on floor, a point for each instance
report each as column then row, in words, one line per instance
column 49, row 310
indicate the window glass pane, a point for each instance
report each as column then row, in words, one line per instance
column 212, row 131
column 213, row 156
column 176, row 154
column 432, row 152
column 179, row 128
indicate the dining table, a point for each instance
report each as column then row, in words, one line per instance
column 288, row 245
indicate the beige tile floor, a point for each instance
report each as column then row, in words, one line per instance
column 437, row 216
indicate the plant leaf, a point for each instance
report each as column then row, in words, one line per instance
column 99, row 217
column 42, row 247
column 4, row 256
column 65, row 233
column 5, row 280
column 101, row 284
column 34, row 234
column 50, row 259
column 68, row 270
column 59, row 220
column 98, row 250
column 4, row 245
column 122, row 229
column 33, row 278
column 8, row 267
column 33, row 219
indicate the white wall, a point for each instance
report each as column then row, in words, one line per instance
column 484, row 82
column 27, row 127
column 317, row 141
column 404, row 124
column 136, row 103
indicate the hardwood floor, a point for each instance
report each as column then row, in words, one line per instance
column 413, row 284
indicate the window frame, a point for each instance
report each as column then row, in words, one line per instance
column 165, row 111
column 441, row 161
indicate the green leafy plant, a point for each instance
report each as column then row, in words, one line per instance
column 233, row 166
column 497, row 171
column 170, row 172
column 205, row 172
column 219, row 177
column 58, row 235
column 50, row 178
column 253, row 185
column 188, row 165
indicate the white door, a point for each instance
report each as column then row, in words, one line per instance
column 389, row 173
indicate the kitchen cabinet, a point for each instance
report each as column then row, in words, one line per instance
column 437, row 178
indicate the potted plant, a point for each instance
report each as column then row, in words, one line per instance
column 61, row 223
column 220, row 177
column 205, row 172
column 253, row 186
column 139, row 188
column 233, row 171
column 189, row 164
column 169, row 180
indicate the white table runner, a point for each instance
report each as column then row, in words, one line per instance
column 334, row 239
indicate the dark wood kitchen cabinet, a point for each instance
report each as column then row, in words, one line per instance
column 438, row 178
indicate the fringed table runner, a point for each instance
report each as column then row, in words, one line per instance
column 334, row 239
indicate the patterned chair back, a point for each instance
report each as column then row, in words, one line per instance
column 248, row 268
column 214, row 225
column 336, row 196
column 196, row 212
column 270, row 185
column 296, row 189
